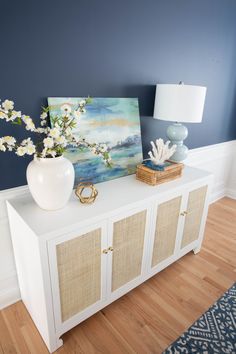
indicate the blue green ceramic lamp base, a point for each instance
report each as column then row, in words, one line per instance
column 176, row 133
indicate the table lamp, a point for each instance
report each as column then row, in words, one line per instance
column 179, row 103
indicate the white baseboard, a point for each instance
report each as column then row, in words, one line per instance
column 9, row 291
column 231, row 193
column 220, row 159
column 218, row 192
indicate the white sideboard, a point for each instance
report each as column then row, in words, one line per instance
column 73, row 262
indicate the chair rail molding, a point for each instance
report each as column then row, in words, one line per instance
column 220, row 159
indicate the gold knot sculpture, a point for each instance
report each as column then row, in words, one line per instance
column 79, row 192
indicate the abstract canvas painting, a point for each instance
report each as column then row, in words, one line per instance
column 113, row 121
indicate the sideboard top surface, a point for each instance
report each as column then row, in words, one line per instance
column 112, row 197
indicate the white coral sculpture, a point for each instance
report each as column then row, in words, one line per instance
column 161, row 151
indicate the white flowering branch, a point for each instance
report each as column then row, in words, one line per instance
column 55, row 139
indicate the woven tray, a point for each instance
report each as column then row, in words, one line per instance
column 153, row 178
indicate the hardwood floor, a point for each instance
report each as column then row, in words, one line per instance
column 151, row 316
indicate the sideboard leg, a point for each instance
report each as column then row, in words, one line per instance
column 197, row 249
column 58, row 343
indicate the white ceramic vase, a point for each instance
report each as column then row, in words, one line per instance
column 50, row 181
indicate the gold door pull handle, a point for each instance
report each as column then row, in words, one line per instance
column 105, row 251
column 184, row 213
column 110, row 249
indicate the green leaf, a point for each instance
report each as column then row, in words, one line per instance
column 88, row 100
column 17, row 121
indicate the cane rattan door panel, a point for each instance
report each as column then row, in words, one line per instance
column 79, row 271
column 196, row 202
column 166, row 229
column 128, row 242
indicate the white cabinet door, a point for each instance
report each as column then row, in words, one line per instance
column 167, row 220
column 166, row 232
column 178, row 226
column 78, row 274
column 128, row 242
column 195, row 215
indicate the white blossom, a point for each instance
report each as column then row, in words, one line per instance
column 15, row 114
column 26, row 141
column 25, row 118
column 61, row 140
column 21, row 151
column 30, row 149
column 41, row 130
column 43, row 115
column 29, row 146
column 28, row 122
column 103, row 147
column 43, row 122
column 66, row 108
column 30, row 126
column 3, row 115
column 2, row 146
column 54, row 133
column 48, row 142
column 9, row 140
column 82, row 103
column 8, row 105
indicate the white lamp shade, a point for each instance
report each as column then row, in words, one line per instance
column 179, row 103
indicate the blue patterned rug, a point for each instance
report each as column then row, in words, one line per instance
column 214, row 332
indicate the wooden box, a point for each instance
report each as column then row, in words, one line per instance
column 153, row 177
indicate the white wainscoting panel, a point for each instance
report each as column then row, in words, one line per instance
column 9, row 289
column 231, row 185
column 220, row 159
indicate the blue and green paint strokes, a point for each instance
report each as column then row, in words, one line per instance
column 113, row 121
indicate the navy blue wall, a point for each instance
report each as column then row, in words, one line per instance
column 118, row 48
